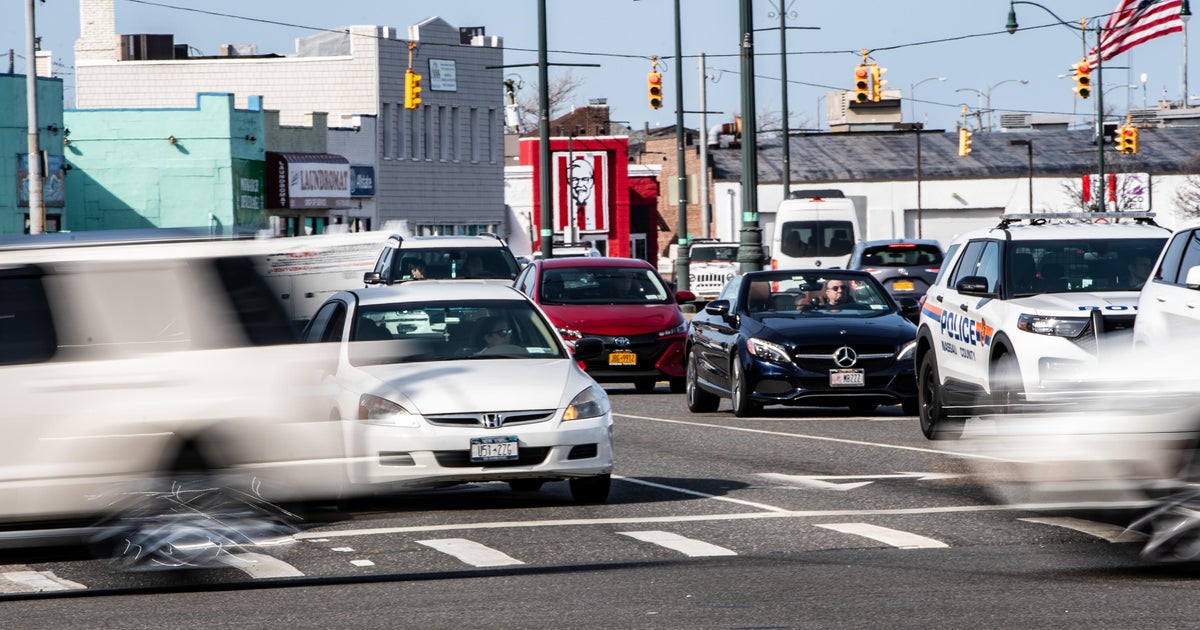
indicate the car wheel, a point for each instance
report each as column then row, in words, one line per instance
column 677, row 385
column 863, row 409
column 935, row 423
column 1006, row 384
column 698, row 400
column 644, row 385
column 742, row 405
column 591, row 489
column 526, row 485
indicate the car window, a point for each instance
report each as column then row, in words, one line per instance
column 1168, row 271
column 730, row 292
column 968, row 263
column 706, row 254
column 1099, row 264
column 602, row 285
column 1191, row 258
column 901, row 255
column 944, row 270
column 405, row 332
column 444, row 263
column 26, row 328
column 799, row 239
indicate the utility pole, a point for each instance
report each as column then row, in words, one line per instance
column 682, row 260
column 702, row 176
column 750, row 251
column 37, row 205
column 544, row 194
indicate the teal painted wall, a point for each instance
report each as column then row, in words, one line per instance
column 14, row 140
column 136, row 168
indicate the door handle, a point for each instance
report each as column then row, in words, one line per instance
column 962, row 307
column 940, row 298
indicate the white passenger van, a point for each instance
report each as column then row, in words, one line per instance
column 814, row 228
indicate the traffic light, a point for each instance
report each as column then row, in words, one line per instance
column 654, row 89
column 1127, row 139
column 964, row 142
column 1083, row 79
column 412, row 89
column 877, row 82
column 862, row 84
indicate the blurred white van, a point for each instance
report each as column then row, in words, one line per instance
column 814, row 228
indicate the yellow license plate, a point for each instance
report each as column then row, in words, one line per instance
column 622, row 358
column 903, row 285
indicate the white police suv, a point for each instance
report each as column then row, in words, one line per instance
column 1017, row 306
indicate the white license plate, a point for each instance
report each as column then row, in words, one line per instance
column 846, row 378
column 494, row 449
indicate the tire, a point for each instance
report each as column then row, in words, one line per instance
column 591, row 489
column 935, row 423
column 526, row 485
column 742, row 405
column 678, row 385
column 698, row 400
column 863, row 409
column 644, row 385
column 1007, row 387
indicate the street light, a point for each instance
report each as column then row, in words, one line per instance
column 986, row 96
column 912, row 94
column 1028, row 144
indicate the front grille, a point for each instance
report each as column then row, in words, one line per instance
column 507, row 418
column 820, row 358
column 529, row 456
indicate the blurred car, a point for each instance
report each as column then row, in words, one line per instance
column 442, row 383
column 484, row 257
column 785, row 338
column 906, row 268
column 624, row 303
column 132, row 372
column 1170, row 289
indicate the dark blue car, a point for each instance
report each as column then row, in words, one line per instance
column 812, row 337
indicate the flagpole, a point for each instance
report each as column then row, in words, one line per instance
column 1100, row 114
column 1185, row 12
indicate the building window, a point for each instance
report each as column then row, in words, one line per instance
column 386, row 110
column 455, row 144
column 474, row 134
column 415, row 135
column 398, row 122
column 490, row 132
column 430, row 116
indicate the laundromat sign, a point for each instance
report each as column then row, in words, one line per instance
column 307, row 180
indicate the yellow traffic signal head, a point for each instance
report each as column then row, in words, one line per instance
column 1127, row 139
column 862, row 84
column 654, row 89
column 877, row 82
column 412, row 89
column 1083, row 79
column 964, row 142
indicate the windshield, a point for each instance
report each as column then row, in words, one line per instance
column 816, row 294
column 602, row 285
column 711, row 253
column 1074, row 266
column 407, row 332
column 802, row 239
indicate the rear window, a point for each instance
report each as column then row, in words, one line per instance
column 901, row 255
column 457, row 263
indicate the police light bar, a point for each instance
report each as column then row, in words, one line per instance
column 1140, row 216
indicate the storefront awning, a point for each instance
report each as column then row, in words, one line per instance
column 307, row 180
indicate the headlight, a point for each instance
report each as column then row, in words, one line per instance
column 590, row 403
column 1050, row 325
column 677, row 330
column 383, row 412
column 768, row 351
column 906, row 351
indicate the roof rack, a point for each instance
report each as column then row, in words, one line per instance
column 1041, row 218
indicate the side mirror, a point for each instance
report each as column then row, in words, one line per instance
column 1192, row 280
column 685, row 296
column 973, row 285
column 719, row 308
column 588, row 348
column 372, row 277
column 908, row 305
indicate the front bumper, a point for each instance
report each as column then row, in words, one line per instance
column 807, row 384
column 658, row 358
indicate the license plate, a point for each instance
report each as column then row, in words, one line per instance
column 494, row 449
column 846, row 378
column 903, row 285
column 622, row 358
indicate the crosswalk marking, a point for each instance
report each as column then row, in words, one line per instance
column 887, row 536
column 687, row 546
column 1106, row 531
column 261, row 566
column 471, row 552
column 38, row 581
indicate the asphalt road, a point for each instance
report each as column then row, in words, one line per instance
column 799, row 518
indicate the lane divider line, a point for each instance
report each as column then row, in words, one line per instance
column 471, row 552
column 1105, row 531
column 886, row 535
column 687, row 546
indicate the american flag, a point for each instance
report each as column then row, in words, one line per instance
column 1134, row 22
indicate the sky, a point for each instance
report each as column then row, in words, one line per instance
column 917, row 41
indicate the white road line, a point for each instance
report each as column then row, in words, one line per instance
column 362, row 563
column 40, row 581
column 1106, row 531
column 885, row 535
column 761, row 506
column 261, row 566
column 819, row 438
column 813, row 482
column 471, row 552
column 696, row 518
column 686, row 546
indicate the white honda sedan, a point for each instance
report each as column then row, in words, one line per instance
column 442, row 383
